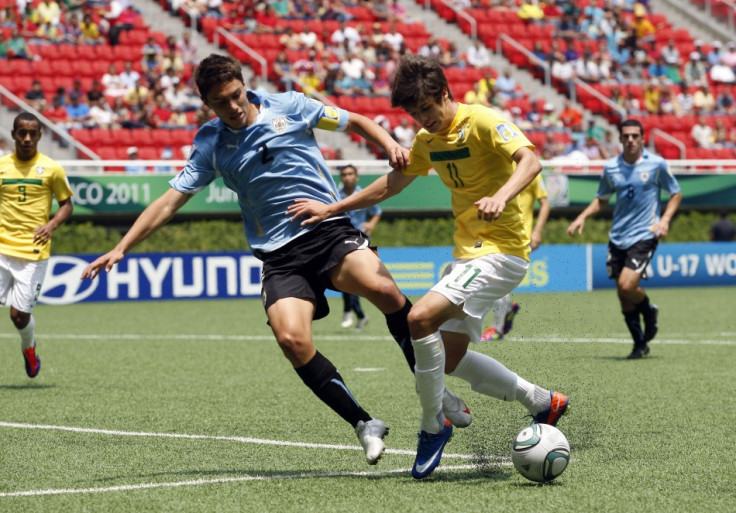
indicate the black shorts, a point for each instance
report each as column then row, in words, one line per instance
column 636, row 258
column 302, row 267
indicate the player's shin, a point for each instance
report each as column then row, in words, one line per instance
column 399, row 329
column 430, row 380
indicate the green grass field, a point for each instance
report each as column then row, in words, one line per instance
column 190, row 406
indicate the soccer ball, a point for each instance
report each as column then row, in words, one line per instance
column 540, row 452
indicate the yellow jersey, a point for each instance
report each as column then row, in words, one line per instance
column 526, row 198
column 473, row 159
column 26, row 189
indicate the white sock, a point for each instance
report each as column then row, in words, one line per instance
column 487, row 376
column 534, row 397
column 500, row 308
column 429, row 373
column 26, row 334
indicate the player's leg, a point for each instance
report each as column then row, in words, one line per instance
column 360, row 314
column 626, row 280
column 23, row 280
column 347, row 310
column 504, row 311
column 290, row 319
column 362, row 273
column 633, row 298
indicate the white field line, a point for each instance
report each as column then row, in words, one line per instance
column 480, row 461
column 695, row 340
column 240, row 439
column 239, row 479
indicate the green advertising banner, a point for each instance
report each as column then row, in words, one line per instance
column 130, row 194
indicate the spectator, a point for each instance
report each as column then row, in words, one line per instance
column 549, row 118
column 404, row 133
column 121, row 18
column 172, row 59
column 475, row 97
column 136, row 94
column 506, row 85
column 632, row 104
column 695, row 72
column 645, row 31
column 282, row 70
column 586, row 69
column 133, row 166
column 187, row 48
column 235, row 23
column 450, row 57
column 685, row 99
column 17, row 47
column 431, row 49
column 78, row 111
column 95, row 92
column 129, row 77
column 101, row 115
column 715, row 54
column 729, row 57
column 71, row 30
column 725, row 102
column 720, row 73
column 701, row 133
column 668, row 103
column 658, row 69
column 562, row 69
column 651, row 96
column 308, row 39
column 703, row 100
column 353, row 65
column 670, row 53
column 478, row 56
column 345, row 34
column 571, row 116
column 610, row 147
column 723, row 230
column 35, row 97
column 48, row 12
column 57, row 112
column 720, row 135
column 90, row 31
column 393, row 37
column 591, row 148
column 112, row 82
column 555, row 146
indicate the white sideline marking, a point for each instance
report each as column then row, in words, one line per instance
column 551, row 338
column 240, row 439
column 370, row 369
column 197, row 482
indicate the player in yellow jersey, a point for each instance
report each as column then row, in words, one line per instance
column 28, row 182
column 504, row 310
column 485, row 161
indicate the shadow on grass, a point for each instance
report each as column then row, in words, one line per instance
column 27, row 386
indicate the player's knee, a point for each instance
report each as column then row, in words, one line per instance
column 20, row 319
column 294, row 346
column 421, row 323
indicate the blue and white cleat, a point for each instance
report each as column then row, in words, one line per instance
column 509, row 320
column 429, row 451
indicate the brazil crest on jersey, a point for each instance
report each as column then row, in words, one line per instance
column 473, row 159
column 27, row 188
column 637, row 187
column 268, row 164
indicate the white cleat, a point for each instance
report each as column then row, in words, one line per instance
column 370, row 434
column 455, row 409
column 347, row 320
column 360, row 325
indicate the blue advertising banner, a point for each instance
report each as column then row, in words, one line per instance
column 171, row 276
column 678, row 265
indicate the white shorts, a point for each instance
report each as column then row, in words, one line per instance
column 475, row 285
column 21, row 281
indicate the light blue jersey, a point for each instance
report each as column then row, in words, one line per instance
column 360, row 216
column 268, row 164
column 637, row 188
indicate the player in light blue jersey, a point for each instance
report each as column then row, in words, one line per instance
column 263, row 147
column 636, row 177
column 365, row 220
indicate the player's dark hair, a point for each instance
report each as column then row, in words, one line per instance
column 216, row 69
column 631, row 122
column 25, row 116
column 348, row 166
column 418, row 78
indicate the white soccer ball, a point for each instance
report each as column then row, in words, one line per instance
column 540, row 452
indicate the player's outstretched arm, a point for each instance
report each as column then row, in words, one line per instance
column 152, row 218
column 398, row 156
column 595, row 206
column 384, row 187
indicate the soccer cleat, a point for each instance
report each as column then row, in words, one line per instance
column 509, row 319
column 370, row 434
column 638, row 353
column 361, row 324
column 650, row 324
column 429, row 451
column 491, row 334
column 347, row 320
column 455, row 409
column 557, row 408
column 33, row 362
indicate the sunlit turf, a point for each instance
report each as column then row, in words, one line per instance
column 119, row 380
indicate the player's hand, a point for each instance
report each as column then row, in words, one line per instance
column 661, row 229
column 398, row 157
column 536, row 240
column 42, row 234
column 106, row 261
column 313, row 211
column 490, row 208
column 576, row 226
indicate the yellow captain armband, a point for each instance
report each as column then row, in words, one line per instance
column 330, row 120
